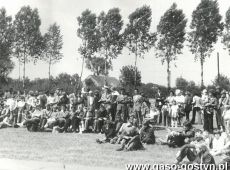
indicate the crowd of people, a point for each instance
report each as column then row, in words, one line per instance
column 128, row 120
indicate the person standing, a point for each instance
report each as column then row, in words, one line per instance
column 159, row 103
column 223, row 106
column 137, row 103
column 197, row 106
column 188, row 105
column 106, row 99
column 209, row 111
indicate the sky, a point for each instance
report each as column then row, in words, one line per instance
column 65, row 13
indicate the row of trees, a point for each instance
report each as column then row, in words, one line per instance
column 65, row 81
column 103, row 36
column 22, row 39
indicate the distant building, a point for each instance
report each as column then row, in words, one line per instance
column 97, row 82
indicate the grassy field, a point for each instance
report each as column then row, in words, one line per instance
column 77, row 149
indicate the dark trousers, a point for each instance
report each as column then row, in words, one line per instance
column 208, row 121
column 166, row 121
column 187, row 113
column 186, row 151
column 219, row 119
column 75, row 122
column 32, row 124
column 88, row 123
column 99, row 124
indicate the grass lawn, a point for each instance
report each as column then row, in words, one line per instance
column 77, row 149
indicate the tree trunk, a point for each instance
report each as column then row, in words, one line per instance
column 106, row 56
column 24, row 72
column 135, row 73
column 49, row 67
column 49, row 71
column 202, row 72
column 19, row 70
column 168, row 75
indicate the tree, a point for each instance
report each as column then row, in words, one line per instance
column 226, row 34
column 89, row 35
column 223, row 82
column 171, row 36
column 6, row 44
column 111, row 40
column 67, row 82
column 206, row 26
column 137, row 35
column 181, row 83
column 53, row 45
column 130, row 77
column 97, row 65
column 28, row 39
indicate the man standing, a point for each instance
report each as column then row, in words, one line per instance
column 137, row 103
column 106, row 98
column 223, row 106
column 159, row 103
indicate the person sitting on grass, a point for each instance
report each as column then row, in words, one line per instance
column 100, row 118
column 178, row 139
column 197, row 153
column 5, row 120
column 45, row 116
column 75, row 120
column 225, row 153
column 147, row 133
column 110, row 132
column 129, row 137
column 61, row 119
column 32, row 124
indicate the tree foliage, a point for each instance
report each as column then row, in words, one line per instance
column 28, row 39
column 181, row 83
column 127, row 77
column 206, row 26
column 223, row 82
column 137, row 33
column 226, row 34
column 111, row 40
column 6, row 44
column 53, row 45
column 97, row 65
column 88, row 33
column 171, row 36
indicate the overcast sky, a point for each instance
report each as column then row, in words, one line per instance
column 65, row 12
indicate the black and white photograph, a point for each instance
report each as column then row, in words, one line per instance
column 114, row 85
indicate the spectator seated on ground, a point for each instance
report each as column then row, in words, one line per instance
column 129, row 137
column 100, row 118
column 32, row 124
column 147, row 133
column 89, row 120
column 5, row 120
column 225, row 153
column 178, row 139
column 110, row 132
column 196, row 153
